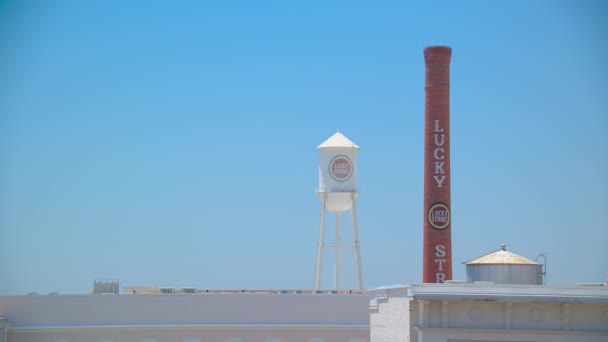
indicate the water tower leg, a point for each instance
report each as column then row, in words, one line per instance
column 320, row 245
column 356, row 248
column 338, row 257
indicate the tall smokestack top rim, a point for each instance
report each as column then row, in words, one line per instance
column 438, row 49
column 439, row 54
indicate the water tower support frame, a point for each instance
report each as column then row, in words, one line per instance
column 338, row 253
column 355, row 247
column 320, row 244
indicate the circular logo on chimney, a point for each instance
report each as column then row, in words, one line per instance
column 439, row 216
column 340, row 168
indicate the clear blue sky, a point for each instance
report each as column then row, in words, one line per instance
column 173, row 143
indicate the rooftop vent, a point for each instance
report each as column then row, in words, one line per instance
column 105, row 286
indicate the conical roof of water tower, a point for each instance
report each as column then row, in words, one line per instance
column 338, row 140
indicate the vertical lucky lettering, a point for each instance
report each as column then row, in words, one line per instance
column 438, row 153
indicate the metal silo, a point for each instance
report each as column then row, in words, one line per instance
column 503, row 267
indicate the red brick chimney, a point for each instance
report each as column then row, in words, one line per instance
column 437, row 251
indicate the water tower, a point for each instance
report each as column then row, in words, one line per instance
column 338, row 192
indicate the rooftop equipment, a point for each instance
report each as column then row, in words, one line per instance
column 105, row 286
column 504, row 267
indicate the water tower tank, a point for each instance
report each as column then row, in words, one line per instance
column 503, row 267
column 338, row 172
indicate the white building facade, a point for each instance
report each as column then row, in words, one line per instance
column 186, row 318
column 489, row 312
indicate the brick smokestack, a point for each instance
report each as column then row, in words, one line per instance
column 437, row 252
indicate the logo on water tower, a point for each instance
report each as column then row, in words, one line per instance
column 340, row 168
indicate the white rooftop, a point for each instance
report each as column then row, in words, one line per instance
column 338, row 140
column 497, row 292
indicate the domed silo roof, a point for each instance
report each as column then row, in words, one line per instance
column 502, row 256
column 504, row 267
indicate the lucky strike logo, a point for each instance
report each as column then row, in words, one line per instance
column 439, row 216
column 340, row 168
